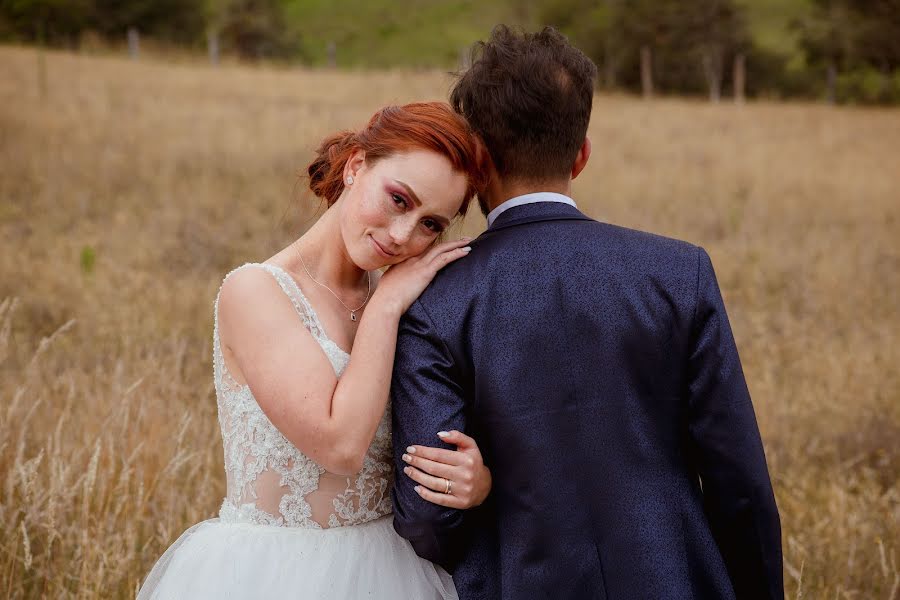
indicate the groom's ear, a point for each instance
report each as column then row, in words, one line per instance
column 581, row 159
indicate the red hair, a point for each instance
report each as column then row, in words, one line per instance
column 394, row 129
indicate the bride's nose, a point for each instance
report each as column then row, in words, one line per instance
column 401, row 231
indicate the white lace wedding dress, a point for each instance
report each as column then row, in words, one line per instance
column 288, row 528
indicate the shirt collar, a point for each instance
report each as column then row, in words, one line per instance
column 528, row 199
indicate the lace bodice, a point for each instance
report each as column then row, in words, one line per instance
column 270, row 482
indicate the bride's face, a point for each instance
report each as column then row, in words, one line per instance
column 397, row 207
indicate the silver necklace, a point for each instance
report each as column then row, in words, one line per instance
column 352, row 310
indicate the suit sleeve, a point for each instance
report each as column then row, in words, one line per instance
column 426, row 398
column 738, row 497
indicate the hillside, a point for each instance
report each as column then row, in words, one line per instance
column 421, row 33
column 385, row 33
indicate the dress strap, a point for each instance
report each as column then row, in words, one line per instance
column 299, row 300
column 292, row 291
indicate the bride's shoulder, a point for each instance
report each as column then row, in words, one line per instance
column 252, row 289
column 243, row 279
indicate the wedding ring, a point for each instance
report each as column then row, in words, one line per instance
column 449, row 489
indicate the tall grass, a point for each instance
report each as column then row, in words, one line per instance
column 130, row 188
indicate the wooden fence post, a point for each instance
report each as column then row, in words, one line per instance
column 609, row 64
column 212, row 44
column 647, row 71
column 41, row 63
column 739, row 78
column 831, row 93
column 465, row 58
column 609, row 71
column 712, row 68
column 134, row 43
column 42, row 73
column 332, row 55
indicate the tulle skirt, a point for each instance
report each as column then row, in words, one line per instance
column 240, row 560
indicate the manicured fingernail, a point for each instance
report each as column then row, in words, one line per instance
column 443, row 434
column 407, row 470
column 418, row 489
column 411, row 450
column 467, row 249
column 407, row 457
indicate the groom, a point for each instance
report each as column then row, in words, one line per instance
column 596, row 368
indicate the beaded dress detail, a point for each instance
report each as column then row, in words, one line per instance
column 288, row 528
column 269, row 481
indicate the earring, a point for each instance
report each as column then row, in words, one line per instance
column 349, row 180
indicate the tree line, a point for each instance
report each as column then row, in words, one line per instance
column 251, row 29
column 846, row 50
column 849, row 50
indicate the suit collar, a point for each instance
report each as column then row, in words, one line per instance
column 539, row 211
column 529, row 198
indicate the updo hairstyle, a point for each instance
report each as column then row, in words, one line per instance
column 394, row 129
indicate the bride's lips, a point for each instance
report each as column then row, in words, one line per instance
column 381, row 249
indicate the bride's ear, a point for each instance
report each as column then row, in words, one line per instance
column 355, row 163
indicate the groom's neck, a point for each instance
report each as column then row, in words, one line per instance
column 499, row 191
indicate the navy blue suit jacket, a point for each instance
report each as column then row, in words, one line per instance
column 596, row 369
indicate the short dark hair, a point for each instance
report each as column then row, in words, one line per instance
column 529, row 97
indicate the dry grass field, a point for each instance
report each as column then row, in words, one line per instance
column 128, row 189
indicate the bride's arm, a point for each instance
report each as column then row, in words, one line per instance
column 332, row 421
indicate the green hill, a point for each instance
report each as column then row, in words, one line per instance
column 423, row 33
column 383, row 33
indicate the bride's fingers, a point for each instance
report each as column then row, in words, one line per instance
column 458, row 439
column 431, row 467
column 438, row 484
column 448, row 257
column 448, row 500
column 445, row 248
column 461, row 482
column 448, row 457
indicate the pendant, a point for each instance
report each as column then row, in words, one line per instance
column 353, row 315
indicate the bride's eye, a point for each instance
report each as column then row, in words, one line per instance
column 399, row 200
column 433, row 225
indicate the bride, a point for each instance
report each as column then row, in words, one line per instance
column 305, row 422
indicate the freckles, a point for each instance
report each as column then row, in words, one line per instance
column 420, row 244
column 368, row 210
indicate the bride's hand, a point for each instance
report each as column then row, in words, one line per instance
column 432, row 468
column 404, row 282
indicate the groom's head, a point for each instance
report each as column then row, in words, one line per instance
column 529, row 97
